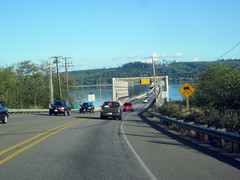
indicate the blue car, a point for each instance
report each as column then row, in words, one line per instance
column 3, row 113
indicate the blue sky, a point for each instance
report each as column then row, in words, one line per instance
column 109, row 33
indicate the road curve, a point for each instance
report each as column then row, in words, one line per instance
column 83, row 146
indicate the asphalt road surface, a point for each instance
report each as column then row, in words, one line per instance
column 83, row 146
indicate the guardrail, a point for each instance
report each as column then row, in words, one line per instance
column 235, row 138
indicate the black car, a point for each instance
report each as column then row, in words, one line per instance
column 111, row 109
column 60, row 107
column 3, row 113
column 86, row 107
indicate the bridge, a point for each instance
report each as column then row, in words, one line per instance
column 120, row 88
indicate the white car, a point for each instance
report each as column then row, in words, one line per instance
column 145, row 100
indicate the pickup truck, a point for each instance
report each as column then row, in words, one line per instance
column 111, row 109
column 3, row 113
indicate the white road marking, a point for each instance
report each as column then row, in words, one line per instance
column 147, row 170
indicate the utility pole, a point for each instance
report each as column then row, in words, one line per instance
column 154, row 79
column 56, row 61
column 51, row 83
column 67, row 64
column 100, row 91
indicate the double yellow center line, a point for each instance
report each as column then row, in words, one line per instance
column 47, row 135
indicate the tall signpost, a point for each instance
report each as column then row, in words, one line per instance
column 186, row 90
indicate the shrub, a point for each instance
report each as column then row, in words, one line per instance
column 170, row 109
column 195, row 115
column 230, row 120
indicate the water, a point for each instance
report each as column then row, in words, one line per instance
column 81, row 95
column 174, row 94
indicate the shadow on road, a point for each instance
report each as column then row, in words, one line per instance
column 193, row 143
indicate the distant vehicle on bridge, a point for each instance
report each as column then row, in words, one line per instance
column 145, row 100
column 128, row 106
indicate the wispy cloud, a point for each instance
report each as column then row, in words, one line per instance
column 194, row 60
column 84, row 67
column 171, row 55
column 147, row 60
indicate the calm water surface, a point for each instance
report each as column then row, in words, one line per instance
column 81, row 95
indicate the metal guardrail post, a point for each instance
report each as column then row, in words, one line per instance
column 232, row 137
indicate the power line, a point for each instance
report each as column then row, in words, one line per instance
column 228, row 51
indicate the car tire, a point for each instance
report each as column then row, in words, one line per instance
column 55, row 114
column 4, row 121
column 120, row 118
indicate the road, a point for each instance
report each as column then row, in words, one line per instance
column 83, row 146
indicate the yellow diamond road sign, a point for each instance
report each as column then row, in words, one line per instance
column 186, row 90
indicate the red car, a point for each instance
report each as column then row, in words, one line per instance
column 128, row 106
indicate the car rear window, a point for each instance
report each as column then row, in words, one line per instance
column 111, row 104
column 127, row 104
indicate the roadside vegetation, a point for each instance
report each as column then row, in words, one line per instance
column 177, row 72
column 26, row 85
column 215, row 101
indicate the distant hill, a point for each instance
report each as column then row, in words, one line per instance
column 177, row 72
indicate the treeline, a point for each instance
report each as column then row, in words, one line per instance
column 215, row 101
column 177, row 72
column 26, row 85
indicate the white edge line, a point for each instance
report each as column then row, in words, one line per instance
column 150, row 174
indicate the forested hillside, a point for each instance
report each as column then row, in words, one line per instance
column 177, row 72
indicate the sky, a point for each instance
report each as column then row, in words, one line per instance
column 110, row 33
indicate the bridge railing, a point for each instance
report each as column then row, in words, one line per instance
column 232, row 137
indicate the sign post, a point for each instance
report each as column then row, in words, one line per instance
column 186, row 90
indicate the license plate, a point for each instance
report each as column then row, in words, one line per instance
column 109, row 113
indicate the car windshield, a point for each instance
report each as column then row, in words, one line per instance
column 86, row 104
column 59, row 103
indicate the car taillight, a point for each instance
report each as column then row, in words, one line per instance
column 101, row 110
column 119, row 110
